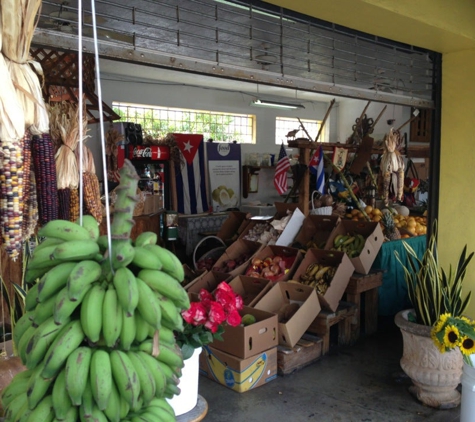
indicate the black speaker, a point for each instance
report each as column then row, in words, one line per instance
column 130, row 134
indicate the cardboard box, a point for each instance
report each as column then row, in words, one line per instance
column 316, row 228
column 190, row 274
column 209, row 280
column 283, row 207
column 239, row 375
column 345, row 270
column 236, row 250
column 251, row 289
column 248, row 341
column 282, row 294
column 291, row 229
column 232, row 227
column 374, row 240
column 253, row 223
column 289, row 253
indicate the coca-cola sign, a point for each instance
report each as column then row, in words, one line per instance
column 152, row 152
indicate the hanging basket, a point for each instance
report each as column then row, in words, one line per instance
column 215, row 248
column 321, row 210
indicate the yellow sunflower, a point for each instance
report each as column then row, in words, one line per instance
column 440, row 323
column 451, row 337
column 467, row 345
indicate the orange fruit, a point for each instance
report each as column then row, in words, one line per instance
column 368, row 209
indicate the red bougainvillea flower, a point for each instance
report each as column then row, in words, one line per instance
column 233, row 319
column 216, row 313
column 196, row 315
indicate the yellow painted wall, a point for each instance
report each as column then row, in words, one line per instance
column 446, row 27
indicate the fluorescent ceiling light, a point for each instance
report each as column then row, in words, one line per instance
column 265, row 103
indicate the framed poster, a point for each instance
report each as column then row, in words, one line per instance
column 224, row 169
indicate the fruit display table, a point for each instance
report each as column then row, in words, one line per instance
column 393, row 293
column 190, row 227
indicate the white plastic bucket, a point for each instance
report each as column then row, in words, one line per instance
column 188, row 397
column 467, row 408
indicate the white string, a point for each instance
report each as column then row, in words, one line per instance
column 101, row 125
column 80, row 74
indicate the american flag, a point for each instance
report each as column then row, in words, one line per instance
column 280, row 177
column 316, row 167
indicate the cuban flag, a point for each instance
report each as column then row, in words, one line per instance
column 191, row 179
column 316, row 167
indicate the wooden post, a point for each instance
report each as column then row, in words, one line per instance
column 304, row 192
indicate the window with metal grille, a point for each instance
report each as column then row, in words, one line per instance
column 285, row 127
column 158, row 121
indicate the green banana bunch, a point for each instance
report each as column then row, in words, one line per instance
column 352, row 244
column 92, row 317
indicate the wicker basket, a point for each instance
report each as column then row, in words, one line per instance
column 217, row 249
column 321, row 210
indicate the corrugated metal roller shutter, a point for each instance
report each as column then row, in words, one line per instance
column 251, row 41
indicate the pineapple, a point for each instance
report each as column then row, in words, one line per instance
column 390, row 230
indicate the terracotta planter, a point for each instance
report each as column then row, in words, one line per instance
column 435, row 375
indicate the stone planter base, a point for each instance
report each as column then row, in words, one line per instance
column 435, row 375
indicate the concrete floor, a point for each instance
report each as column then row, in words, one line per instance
column 363, row 383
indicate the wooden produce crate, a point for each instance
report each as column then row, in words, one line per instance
column 342, row 318
column 307, row 351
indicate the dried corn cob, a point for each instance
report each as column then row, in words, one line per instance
column 64, row 203
column 26, row 183
column 74, row 205
column 45, row 172
column 11, row 186
column 92, row 196
column 30, row 210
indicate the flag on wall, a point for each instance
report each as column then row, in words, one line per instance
column 317, row 167
column 191, row 179
column 280, row 177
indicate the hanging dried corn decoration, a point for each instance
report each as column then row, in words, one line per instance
column 30, row 209
column 27, row 230
column 64, row 199
column 46, row 181
column 92, row 195
column 74, row 204
column 11, row 186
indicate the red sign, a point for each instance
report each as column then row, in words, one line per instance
column 150, row 152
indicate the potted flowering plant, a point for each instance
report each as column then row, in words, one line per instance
column 451, row 332
column 205, row 319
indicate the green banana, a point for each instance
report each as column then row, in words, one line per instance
column 91, row 225
column 91, row 312
column 43, row 412
column 76, row 250
column 103, row 243
column 31, row 299
column 43, row 258
column 37, row 387
column 61, row 400
column 154, row 412
column 166, row 335
column 77, row 373
column 128, row 331
column 48, row 242
column 141, row 327
column 113, row 408
column 146, row 238
column 101, row 378
column 25, row 339
column 148, row 305
column 70, row 416
column 171, row 390
column 127, row 291
column 82, row 276
column 44, row 310
column 54, row 280
column 70, row 337
column 64, row 307
column 146, row 380
column 64, row 229
column 170, row 313
column 39, row 343
column 167, row 286
column 146, row 259
column 15, row 406
column 161, row 402
column 123, row 253
column 33, row 274
column 17, row 386
column 25, row 322
column 98, row 415
column 87, row 405
column 171, row 355
column 23, row 414
column 125, row 377
column 156, row 371
column 111, row 317
column 170, row 262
